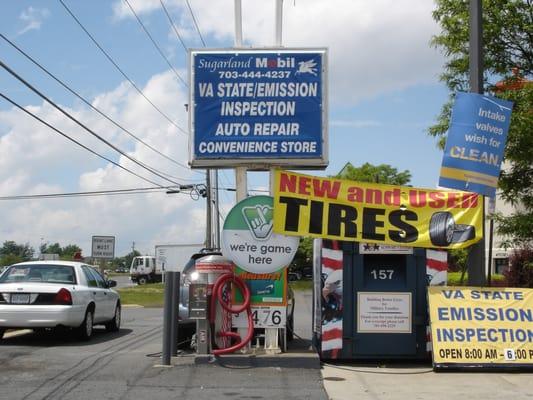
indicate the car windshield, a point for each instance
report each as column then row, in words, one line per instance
column 39, row 273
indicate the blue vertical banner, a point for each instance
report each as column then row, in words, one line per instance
column 476, row 143
column 258, row 106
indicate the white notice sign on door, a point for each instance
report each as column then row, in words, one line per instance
column 384, row 312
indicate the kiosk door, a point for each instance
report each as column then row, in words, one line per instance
column 388, row 306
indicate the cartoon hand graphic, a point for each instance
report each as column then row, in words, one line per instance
column 260, row 225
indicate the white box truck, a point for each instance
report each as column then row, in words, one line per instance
column 168, row 257
column 173, row 257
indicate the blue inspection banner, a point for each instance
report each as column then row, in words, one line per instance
column 475, row 144
column 263, row 106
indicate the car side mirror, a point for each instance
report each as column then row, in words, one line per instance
column 111, row 283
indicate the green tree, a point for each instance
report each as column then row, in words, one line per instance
column 11, row 252
column 304, row 254
column 382, row 173
column 54, row 248
column 67, row 252
column 10, row 259
column 128, row 257
column 507, row 45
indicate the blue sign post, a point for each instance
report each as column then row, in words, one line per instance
column 475, row 144
column 258, row 107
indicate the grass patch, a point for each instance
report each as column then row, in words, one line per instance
column 301, row 285
column 454, row 279
column 150, row 295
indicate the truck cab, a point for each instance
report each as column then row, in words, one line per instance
column 143, row 270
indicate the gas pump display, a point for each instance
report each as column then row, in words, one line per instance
column 198, row 301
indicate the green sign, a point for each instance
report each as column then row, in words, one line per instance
column 265, row 289
column 248, row 240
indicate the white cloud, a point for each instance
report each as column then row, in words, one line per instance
column 33, row 19
column 122, row 11
column 34, row 159
column 375, row 47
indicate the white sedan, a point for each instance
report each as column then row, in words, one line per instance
column 50, row 294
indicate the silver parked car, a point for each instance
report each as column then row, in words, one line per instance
column 50, row 294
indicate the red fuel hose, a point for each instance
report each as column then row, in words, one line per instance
column 218, row 289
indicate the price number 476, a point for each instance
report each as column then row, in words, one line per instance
column 266, row 317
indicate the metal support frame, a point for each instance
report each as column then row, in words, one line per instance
column 476, row 255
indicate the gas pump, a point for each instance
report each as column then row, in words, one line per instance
column 210, row 304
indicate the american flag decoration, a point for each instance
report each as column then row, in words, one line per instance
column 332, row 307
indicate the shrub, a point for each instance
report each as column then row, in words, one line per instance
column 520, row 272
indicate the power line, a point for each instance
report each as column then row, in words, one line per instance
column 155, row 44
column 174, row 27
column 85, row 194
column 194, row 191
column 195, row 23
column 45, row 70
column 60, row 109
column 75, row 141
column 120, row 69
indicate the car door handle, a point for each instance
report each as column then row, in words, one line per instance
column 94, row 293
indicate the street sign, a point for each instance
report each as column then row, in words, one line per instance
column 258, row 107
column 103, row 247
column 475, row 144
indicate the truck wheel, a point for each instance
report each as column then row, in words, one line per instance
column 441, row 228
column 142, row 280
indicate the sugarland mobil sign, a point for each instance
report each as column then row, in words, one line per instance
column 476, row 143
column 481, row 326
column 263, row 106
column 355, row 211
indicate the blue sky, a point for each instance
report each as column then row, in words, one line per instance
column 383, row 86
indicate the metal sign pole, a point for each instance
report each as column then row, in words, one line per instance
column 272, row 334
column 167, row 317
column 174, row 316
column 476, row 256
column 241, row 184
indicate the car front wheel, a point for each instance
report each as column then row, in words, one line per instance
column 85, row 330
column 114, row 324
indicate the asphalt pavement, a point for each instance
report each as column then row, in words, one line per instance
column 125, row 365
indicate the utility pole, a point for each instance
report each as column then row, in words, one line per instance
column 476, row 255
column 133, row 247
column 241, row 184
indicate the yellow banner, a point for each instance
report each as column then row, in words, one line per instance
column 355, row 211
column 473, row 325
